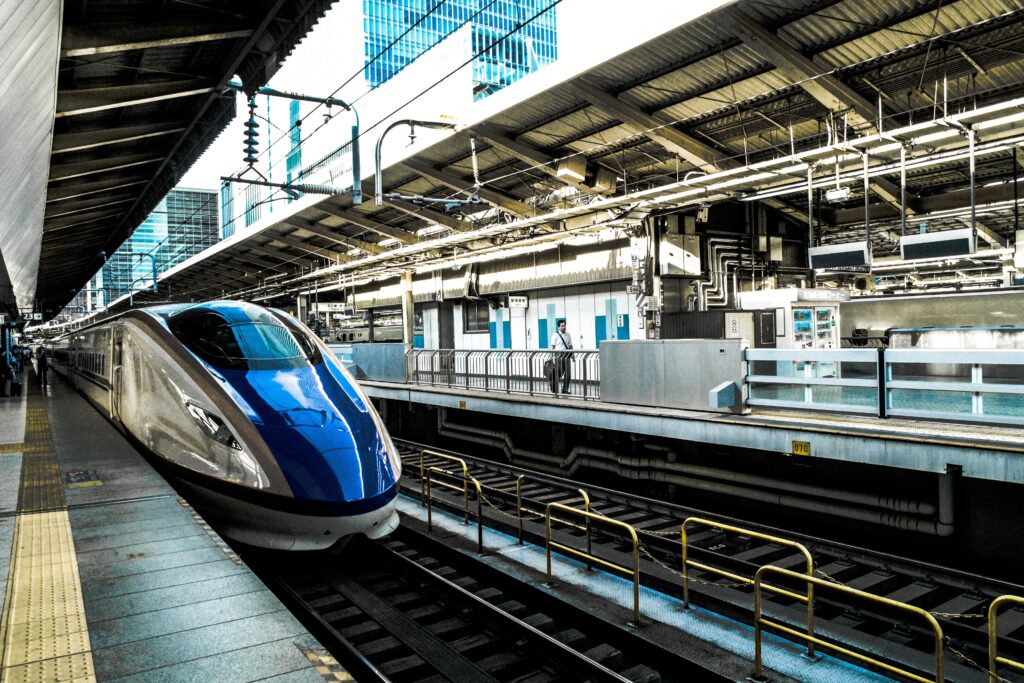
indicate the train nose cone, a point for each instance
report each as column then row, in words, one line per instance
column 326, row 445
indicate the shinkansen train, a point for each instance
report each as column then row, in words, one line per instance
column 261, row 427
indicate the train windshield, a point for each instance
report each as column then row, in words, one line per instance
column 261, row 343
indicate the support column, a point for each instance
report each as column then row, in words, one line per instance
column 407, row 310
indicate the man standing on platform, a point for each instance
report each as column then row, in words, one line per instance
column 561, row 341
column 41, row 365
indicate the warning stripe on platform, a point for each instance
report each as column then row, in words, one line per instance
column 43, row 631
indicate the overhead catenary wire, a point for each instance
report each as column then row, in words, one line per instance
column 492, row 180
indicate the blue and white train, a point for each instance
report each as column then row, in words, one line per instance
column 262, row 428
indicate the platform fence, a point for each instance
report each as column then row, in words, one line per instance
column 575, row 374
column 961, row 385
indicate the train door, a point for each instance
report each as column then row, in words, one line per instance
column 116, row 370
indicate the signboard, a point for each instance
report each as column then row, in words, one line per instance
column 518, row 301
column 329, row 307
column 801, row 448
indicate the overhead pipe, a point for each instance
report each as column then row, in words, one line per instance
column 915, row 507
column 880, row 517
column 884, row 510
column 493, row 438
column 892, row 512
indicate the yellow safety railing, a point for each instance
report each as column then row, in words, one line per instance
column 466, row 480
column 760, row 622
column 520, row 510
column 687, row 563
column 519, row 504
column 994, row 660
column 589, row 517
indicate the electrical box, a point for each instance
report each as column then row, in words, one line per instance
column 680, row 255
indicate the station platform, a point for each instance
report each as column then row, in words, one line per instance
column 106, row 574
column 983, row 451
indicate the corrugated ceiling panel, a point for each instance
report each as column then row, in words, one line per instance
column 30, row 40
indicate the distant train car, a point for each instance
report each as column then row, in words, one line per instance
column 265, row 431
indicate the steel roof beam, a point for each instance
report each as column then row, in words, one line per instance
column 801, row 71
column 63, row 194
column 312, row 248
column 328, row 234
column 258, row 262
column 279, row 254
column 429, row 215
column 657, row 127
column 87, row 205
column 502, row 201
column 81, row 41
column 54, row 225
column 103, row 165
column 90, row 100
column 542, row 161
column 954, row 199
column 367, row 223
column 78, row 142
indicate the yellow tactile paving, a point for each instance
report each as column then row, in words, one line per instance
column 43, row 631
column 45, row 635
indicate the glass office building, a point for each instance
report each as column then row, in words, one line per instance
column 182, row 225
column 503, row 54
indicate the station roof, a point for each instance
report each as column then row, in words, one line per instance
column 750, row 86
column 139, row 95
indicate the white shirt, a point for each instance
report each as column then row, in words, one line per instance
column 561, row 341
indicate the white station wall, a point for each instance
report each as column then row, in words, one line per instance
column 592, row 313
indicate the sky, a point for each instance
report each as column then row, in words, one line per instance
column 589, row 32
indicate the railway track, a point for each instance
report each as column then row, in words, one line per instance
column 957, row 600
column 408, row 608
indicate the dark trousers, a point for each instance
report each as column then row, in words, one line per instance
column 563, row 370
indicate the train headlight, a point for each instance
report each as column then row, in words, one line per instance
column 213, row 425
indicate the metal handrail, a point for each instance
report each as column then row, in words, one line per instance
column 506, row 370
column 591, row 516
column 465, row 474
column 994, row 660
column 760, row 622
column 466, row 479
column 687, row 563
